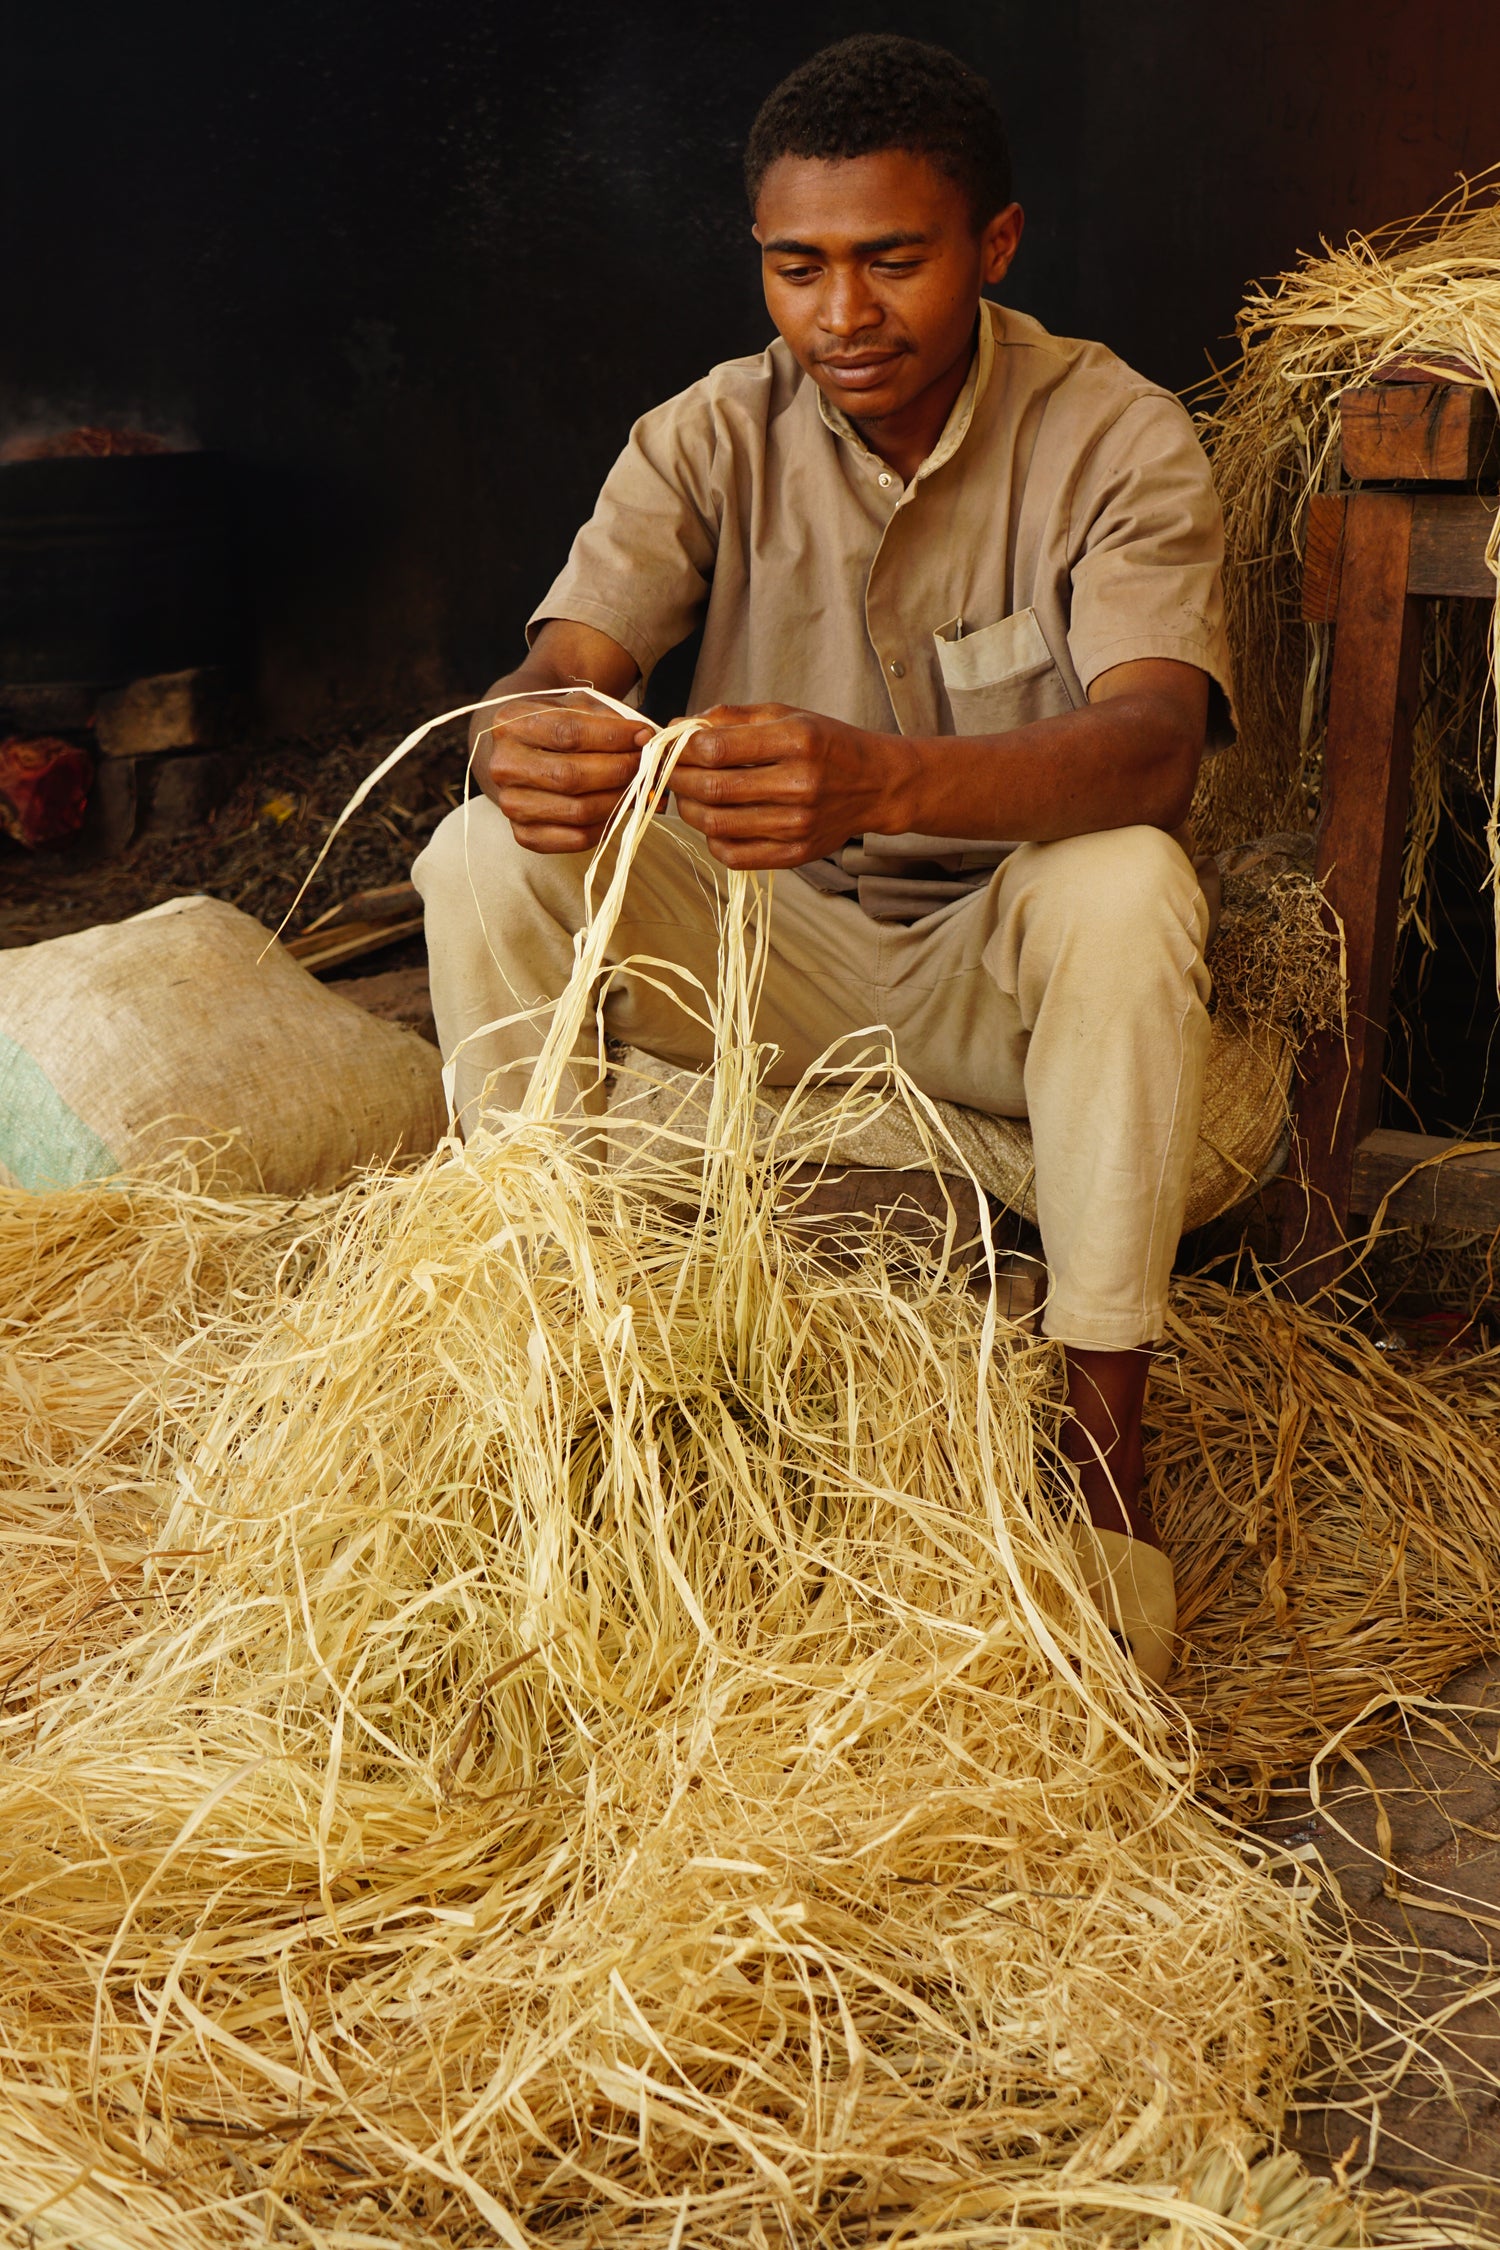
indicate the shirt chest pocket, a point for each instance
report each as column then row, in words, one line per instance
column 1003, row 676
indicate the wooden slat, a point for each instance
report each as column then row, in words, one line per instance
column 1448, row 539
column 1431, row 1182
column 364, row 923
column 1409, row 431
column 1323, row 558
column 1450, row 533
column 1366, row 786
column 348, row 941
column 390, row 902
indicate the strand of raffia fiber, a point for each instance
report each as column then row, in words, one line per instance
column 617, row 1752
column 1427, row 292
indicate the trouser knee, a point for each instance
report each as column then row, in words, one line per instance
column 1112, row 910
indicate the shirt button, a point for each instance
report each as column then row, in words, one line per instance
column 898, row 669
column 886, row 477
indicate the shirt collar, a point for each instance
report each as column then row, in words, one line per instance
column 960, row 414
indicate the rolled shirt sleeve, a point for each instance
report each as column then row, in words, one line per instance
column 1146, row 538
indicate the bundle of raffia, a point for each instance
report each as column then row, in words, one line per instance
column 591, row 1731
column 1425, row 293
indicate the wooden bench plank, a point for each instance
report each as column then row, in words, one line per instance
column 1457, row 1185
column 1449, row 534
column 1403, row 432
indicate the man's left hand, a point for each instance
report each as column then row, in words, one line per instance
column 770, row 786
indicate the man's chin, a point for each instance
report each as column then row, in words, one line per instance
column 865, row 405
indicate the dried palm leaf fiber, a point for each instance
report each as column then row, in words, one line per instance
column 615, row 1751
column 1425, row 292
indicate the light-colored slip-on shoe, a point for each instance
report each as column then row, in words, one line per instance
column 1133, row 1585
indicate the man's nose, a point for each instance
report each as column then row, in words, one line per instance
column 849, row 306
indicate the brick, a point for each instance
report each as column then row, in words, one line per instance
column 182, row 791
column 114, row 804
column 46, row 706
column 171, row 711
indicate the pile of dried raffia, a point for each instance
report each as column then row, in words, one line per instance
column 1426, row 293
column 543, row 1707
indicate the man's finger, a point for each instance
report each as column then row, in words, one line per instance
column 782, row 782
column 542, row 836
column 513, row 765
column 761, row 854
column 758, row 742
column 549, row 808
column 777, row 823
column 566, row 730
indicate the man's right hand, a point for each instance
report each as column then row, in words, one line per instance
column 557, row 766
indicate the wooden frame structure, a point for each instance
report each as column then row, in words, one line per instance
column 1407, row 531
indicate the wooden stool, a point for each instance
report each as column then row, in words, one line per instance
column 1409, row 532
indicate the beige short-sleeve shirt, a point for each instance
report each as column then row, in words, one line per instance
column 1065, row 522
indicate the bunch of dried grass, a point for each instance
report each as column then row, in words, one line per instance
column 611, row 1746
column 1277, row 962
column 1425, row 291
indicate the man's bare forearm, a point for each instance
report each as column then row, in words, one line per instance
column 563, row 655
column 1116, row 764
column 770, row 786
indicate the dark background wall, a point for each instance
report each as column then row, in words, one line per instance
column 417, row 263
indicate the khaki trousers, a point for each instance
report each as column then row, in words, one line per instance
column 1071, row 991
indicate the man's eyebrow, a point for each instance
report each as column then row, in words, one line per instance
column 783, row 246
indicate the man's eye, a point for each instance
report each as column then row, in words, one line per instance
column 796, row 273
column 898, row 265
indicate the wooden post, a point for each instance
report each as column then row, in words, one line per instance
column 1366, row 788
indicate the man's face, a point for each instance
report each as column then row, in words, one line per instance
column 873, row 271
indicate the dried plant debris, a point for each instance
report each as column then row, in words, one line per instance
column 1276, row 957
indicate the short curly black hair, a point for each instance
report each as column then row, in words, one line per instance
column 879, row 91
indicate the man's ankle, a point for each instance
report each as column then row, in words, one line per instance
column 1102, row 1437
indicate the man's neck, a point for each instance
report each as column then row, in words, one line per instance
column 904, row 439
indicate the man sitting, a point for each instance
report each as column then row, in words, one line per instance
column 958, row 584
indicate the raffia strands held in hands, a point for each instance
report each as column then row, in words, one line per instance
column 1426, row 292
column 607, row 1744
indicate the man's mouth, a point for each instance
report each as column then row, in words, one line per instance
column 861, row 371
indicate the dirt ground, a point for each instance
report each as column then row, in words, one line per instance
column 1410, row 1833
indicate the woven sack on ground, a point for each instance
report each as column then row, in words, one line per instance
column 1239, row 1140
column 121, row 1042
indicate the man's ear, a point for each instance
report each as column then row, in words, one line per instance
column 999, row 243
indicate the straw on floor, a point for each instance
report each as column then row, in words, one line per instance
column 596, row 1736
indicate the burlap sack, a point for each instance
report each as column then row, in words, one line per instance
column 1240, row 1140
column 123, row 1041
